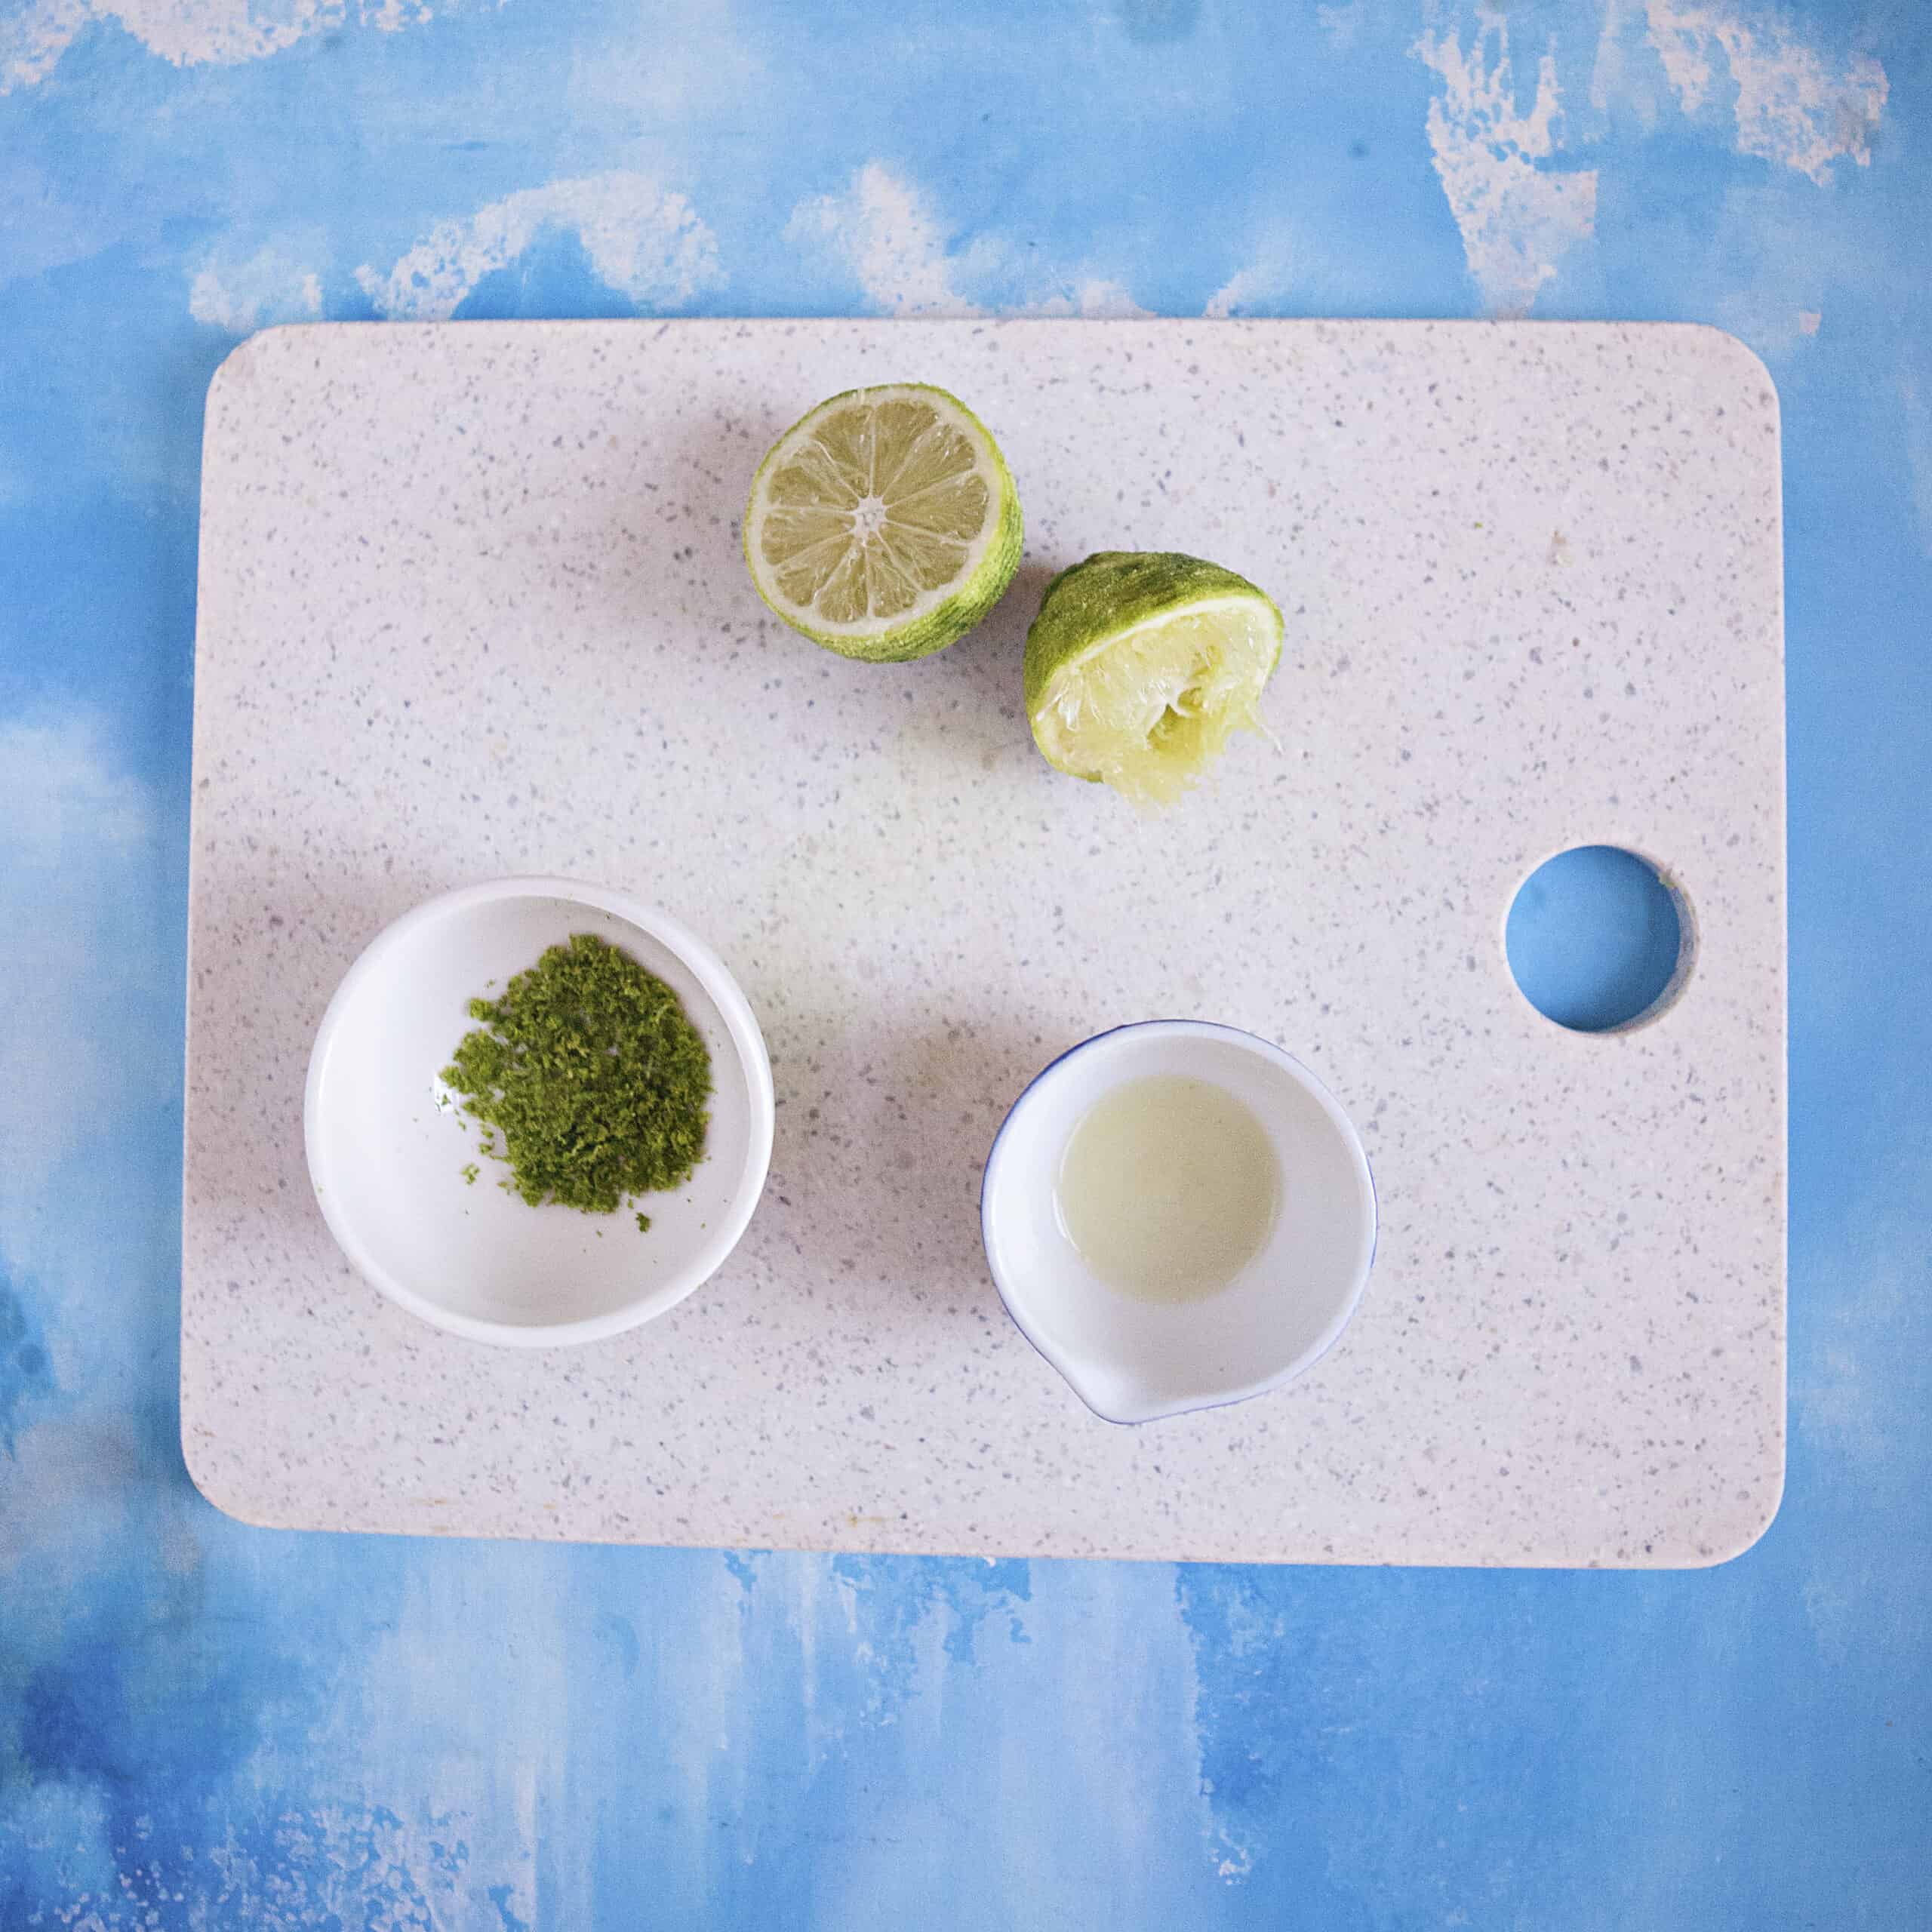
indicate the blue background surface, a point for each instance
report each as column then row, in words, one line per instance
column 202, row 1725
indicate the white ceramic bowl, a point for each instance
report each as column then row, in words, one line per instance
column 387, row 1146
column 1131, row 1360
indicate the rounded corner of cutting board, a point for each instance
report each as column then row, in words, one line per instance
column 1753, row 1524
column 1719, row 346
column 211, row 1482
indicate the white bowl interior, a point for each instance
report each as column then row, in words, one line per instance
column 1131, row 1360
column 387, row 1146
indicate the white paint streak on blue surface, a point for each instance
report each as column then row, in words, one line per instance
column 645, row 241
column 1791, row 101
column 1519, row 217
column 188, row 33
column 1510, row 160
column 883, row 231
column 239, row 296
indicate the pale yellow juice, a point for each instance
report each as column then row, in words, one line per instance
column 1168, row 1186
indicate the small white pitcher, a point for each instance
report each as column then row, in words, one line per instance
column 1132, row 1360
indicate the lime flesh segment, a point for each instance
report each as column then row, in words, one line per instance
column 884, row 524
column 1142, row 665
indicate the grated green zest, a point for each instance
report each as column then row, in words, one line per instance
column 588, row 1078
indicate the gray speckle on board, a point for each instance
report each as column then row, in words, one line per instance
column 471, row 603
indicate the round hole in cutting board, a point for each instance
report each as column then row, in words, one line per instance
column 1596, row 941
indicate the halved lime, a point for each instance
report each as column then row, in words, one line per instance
column 1141, row 664
column 884, row 524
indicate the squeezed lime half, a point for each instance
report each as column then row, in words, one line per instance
column 1143, row 664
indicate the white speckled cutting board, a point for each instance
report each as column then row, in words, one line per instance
column 471, row 603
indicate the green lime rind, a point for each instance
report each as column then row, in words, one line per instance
column 947, row 622
column 1091, row 604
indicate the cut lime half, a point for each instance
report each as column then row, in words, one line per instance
column 884, row 524
column 1141, row 664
